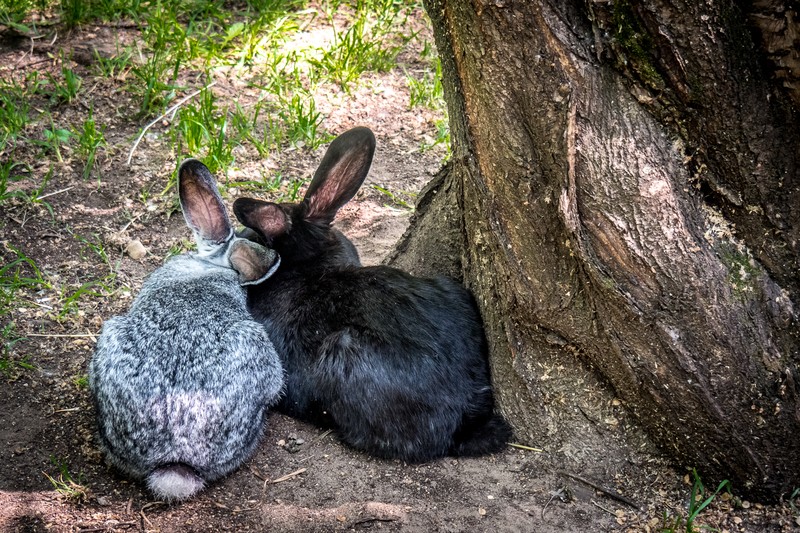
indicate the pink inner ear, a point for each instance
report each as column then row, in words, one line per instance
column 268, row 218
column 204, row 211
column 341, row 184
column 271, row 220
column 246, row 263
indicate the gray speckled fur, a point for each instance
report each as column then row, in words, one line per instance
column 186, row 376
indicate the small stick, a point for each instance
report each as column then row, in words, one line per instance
column 131, row 221
column 256, row 473
column 61, row 336
column 70, row 410
column 45, row 60
column 289, row 476
column 145, row 520
column 151, row 504
column 609, row 511
column 168, row 111
column 553, row 494
column 608, row 492
column 523, row 447
column 323, row 435
column 48, row 195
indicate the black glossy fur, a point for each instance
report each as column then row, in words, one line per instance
column 397, row 364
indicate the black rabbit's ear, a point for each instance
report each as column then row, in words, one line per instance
column 268, row 218
column 201, row 203
column 342, row 171
column 253, row 262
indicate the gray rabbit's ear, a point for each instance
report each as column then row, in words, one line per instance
column 253, row 262
column 201, row 203
column 269, row 219
column 341, row 172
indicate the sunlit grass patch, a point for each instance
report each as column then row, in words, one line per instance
column 90, row 139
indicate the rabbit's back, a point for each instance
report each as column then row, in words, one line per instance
column 398, row 362
column 184, row 377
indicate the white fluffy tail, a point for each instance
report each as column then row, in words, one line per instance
column 174, row 482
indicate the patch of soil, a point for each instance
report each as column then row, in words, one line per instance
column 301, row 478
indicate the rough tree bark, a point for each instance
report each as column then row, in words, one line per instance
column 624, row 201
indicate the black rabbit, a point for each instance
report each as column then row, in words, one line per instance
column 397, row 364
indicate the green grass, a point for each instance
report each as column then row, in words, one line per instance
column 180, row 37
column 113, row 66
column 427, row 91
column 13, row 13
column 65, row 484
column 54, row 138
column 18, row 275
column 266, row 185
column 368, row 44
column 20, row 278
column 10, row 172
column 35, row 196
column 14, row 111
column 48, row 134
column 292, row 193
column 302, row 121
column 155, row 83
column 81, row 382
column 182, row 246
column 249, row 129
column 90, row 139
column 395, row 198
column 442, row 136
column 11, row 367
column 72, row 296
column 66, row 88
column 94, row 247
column 699, row 499
column 201, row 131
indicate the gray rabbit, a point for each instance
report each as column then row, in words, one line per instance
column 182, row 383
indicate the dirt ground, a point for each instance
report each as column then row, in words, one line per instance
column 301, row 478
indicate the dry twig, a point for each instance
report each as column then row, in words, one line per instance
column 608, row 492
column 290, row 476
column 528, row 448
column 167, row 112
column 42, row 197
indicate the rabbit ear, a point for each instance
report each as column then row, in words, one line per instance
column 268, row 218
column 342, row 171
column 201, row 203
column 253, row 262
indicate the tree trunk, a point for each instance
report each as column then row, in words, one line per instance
column 624, row 201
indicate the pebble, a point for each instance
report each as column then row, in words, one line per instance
column 135, row 249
